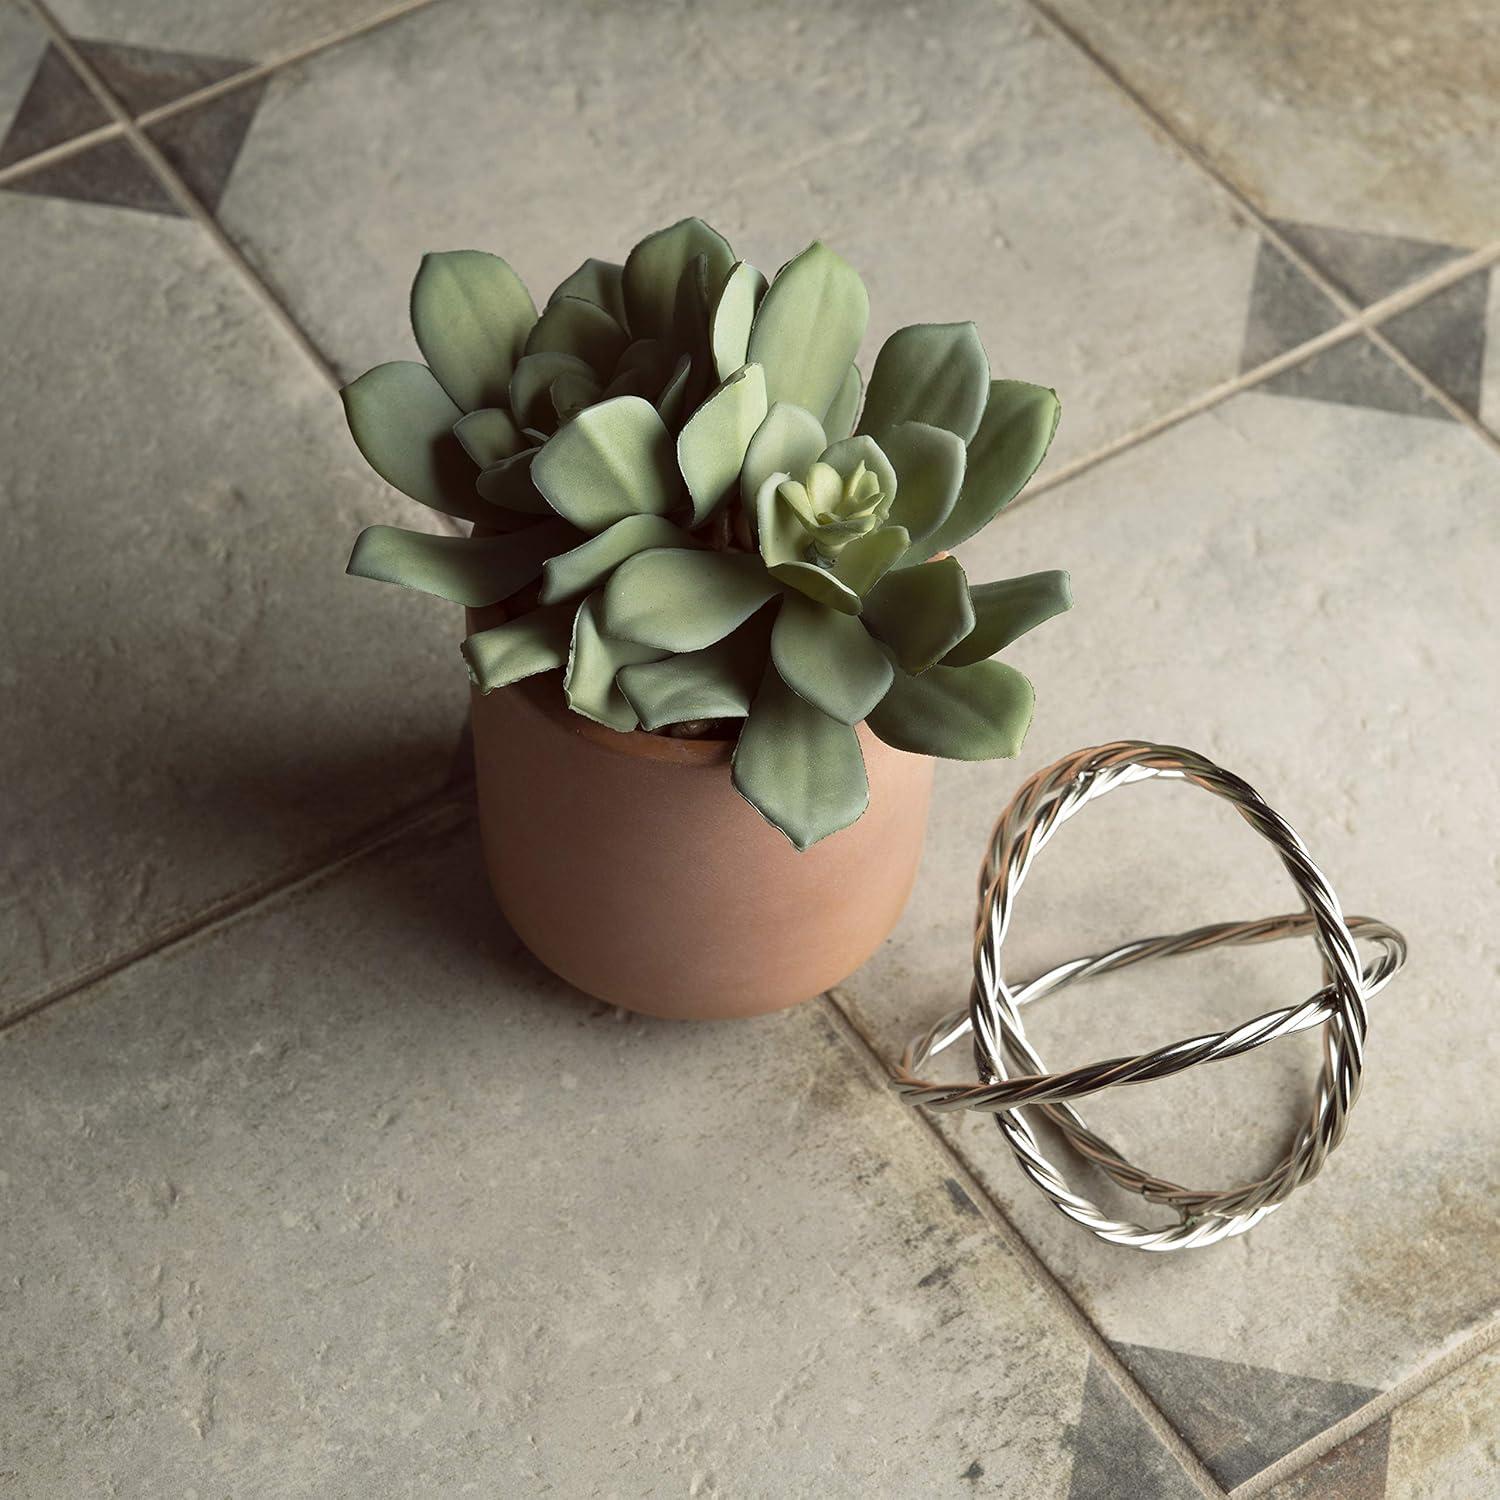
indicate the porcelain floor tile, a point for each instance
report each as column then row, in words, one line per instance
column 351, row 1193
column 197, row 700
column 974, row 168
column 1303, row 591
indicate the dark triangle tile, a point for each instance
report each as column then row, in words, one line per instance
column 204, row 143
column 1355, row 373
column 1368, row 266
column 56, row 107
column 1286, row 309
column 1444, row 336
column 111, row 173
column 1239, row 1418
column 1115, row 1452
column 143, row 78
column 1355, row 1470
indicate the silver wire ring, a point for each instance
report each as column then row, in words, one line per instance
column 1011, row 1075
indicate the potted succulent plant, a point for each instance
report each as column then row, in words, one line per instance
column 715, row 633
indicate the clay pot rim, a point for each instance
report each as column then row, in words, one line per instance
column 635, row 743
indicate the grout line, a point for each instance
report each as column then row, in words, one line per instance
column 181, row 194
column 254, row 73
column 193, row 209
column 1100, row 1349
column 60, row 152
column 440, row 808
column 1364, row 322
column 1309, row 268
column 263, row 70
column 1384, row 1405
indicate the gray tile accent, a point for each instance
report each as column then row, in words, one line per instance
column 1444, row 337
column 56, row 106
column 1368, row 266
column 203, row 144
column 112, row 173
column 1355, row 1470
column 1356, row 373
column 1115, row 1453
column 1240, row 1418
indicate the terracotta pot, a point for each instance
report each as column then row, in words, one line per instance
column 632, row 868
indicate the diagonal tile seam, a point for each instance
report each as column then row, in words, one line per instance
column 1469, row 1347
column 254, row 73
column 1362, row 323
column 1314, row 273
column 172, row 181
column 449, row 807
column 1384, row 1405
column 1099, row 1347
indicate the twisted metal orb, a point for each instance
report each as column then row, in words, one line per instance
column 1012, row 1075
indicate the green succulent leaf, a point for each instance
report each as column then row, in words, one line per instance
column 733, row 313
column 1012, row 440
column 489, row 435
column 798, row 768
column 711, row 446
column 535, row 642
column 599, row 282
column 594, row 662
column 931, row 372
column 468, row 570
column 782, row 537
column 717, row 682
column 1006, row 610
column 845, row 407
column 654, row 269
column 684, row 600
column 471, row 314
column 848, row 453
column 402, row 421
column 789, row 441
column 929, row 464
column 508, row 484
column 867, row 559
column 808, row 329
column 571, row 325
column 673, row 401
column 829, row 658
column 980, row 712
column 571, row 574
column 921, row 613
column 531, row 385
column 611, row 461
column 817, row 583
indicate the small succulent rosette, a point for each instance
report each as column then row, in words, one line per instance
column 693, row 508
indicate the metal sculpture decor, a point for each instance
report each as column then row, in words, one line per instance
column 1012, row 1075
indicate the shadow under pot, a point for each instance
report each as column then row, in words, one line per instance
column 631, row 867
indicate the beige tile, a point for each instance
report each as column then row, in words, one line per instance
column 351, row 1194
column 1304, row 592
column 255, row 33
column 196, row 699
column 1375, row 115
column 970, row 165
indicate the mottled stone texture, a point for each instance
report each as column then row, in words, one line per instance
column 1092, row 256
column 351, row 1197
column 345, row 1197
column 1303, row 591
column 197, row 700
column 1379, row 115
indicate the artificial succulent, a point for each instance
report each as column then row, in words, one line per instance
column 719, row 528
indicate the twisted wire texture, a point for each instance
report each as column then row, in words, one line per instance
column 1012, row 1075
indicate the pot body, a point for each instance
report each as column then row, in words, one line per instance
column 631, row 867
